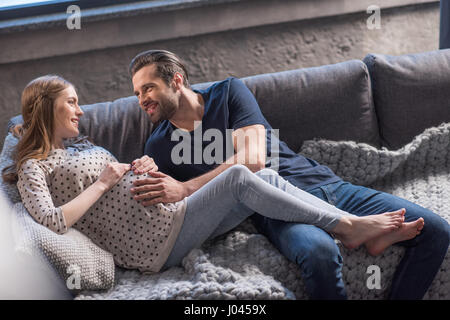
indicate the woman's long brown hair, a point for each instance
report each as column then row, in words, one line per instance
column 38, row 100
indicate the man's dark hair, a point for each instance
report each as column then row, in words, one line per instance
column 166, row 62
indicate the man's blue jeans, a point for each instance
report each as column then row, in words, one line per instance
column 319, row 258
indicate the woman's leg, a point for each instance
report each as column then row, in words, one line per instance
column 237, row 193
column 223, row 203
column 211, row 210
column 350, row 229
column 272, row 177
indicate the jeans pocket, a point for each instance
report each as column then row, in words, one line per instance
column 329, row 194
column 319, row 193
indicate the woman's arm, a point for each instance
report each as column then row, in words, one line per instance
column 76, row 208
column 38, row 201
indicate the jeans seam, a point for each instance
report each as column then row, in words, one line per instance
column 328, row 196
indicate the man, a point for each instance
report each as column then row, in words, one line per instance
column 161, row 84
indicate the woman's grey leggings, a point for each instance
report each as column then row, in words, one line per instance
column 237, row 193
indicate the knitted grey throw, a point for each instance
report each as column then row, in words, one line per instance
column 244, row 265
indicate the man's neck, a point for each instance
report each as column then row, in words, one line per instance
column 191, row 109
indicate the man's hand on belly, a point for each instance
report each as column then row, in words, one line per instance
column 159, row 188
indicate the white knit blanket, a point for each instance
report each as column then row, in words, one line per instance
column 244, row 265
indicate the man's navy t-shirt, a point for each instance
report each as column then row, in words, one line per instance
column 229, row 104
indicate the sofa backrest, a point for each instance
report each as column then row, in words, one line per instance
column 403, row 96
column 411, row 93
column 119, row 126
column 331, row 102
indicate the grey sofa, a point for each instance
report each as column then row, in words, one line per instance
column 383, row 101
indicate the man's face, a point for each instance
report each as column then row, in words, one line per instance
column 156, row 98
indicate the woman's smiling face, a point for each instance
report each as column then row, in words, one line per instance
column 67, row 114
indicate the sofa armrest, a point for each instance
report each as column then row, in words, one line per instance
column 411, row 93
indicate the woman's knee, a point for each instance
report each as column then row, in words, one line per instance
column 266, row 174
column 266, row 171
column 235, row 177
column 238, row 170
column 237, row 173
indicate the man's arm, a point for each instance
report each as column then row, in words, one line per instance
column 250, row 150
column 250, row 147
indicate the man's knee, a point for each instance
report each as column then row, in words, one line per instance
column 316, row 250
column 437, row 229
column 323, row 255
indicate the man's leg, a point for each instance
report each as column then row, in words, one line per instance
column 424, row 253
column 313, row 250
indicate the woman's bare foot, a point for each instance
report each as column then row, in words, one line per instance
column 353, row 231
column 407, row 231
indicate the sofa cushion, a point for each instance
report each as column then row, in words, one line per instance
column 331, row 102
column 119, row 126
column 411, row 93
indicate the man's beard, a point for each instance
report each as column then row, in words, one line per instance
column 167, row 109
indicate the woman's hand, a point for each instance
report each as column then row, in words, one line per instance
column 143, row 165
column 112, row 174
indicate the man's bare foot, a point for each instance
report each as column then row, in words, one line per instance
column 407, row 231
column 353, row 231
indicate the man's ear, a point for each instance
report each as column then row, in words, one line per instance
column 178, row 80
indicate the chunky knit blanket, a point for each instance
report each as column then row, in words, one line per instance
column 244, row 265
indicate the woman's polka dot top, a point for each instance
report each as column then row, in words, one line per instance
column 139, row 237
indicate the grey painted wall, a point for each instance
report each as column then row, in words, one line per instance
column 102, row 75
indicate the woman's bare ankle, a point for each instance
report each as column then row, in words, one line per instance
column 343, row 227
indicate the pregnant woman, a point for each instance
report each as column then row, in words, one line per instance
column 66, row 181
